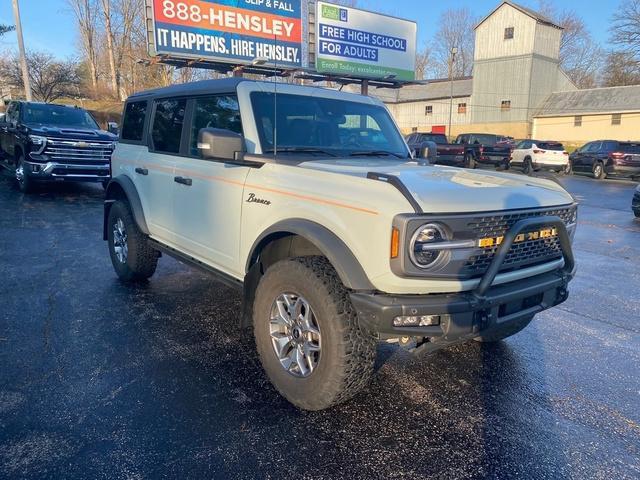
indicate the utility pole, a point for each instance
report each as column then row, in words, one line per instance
column 23, row 55
column 452, row 60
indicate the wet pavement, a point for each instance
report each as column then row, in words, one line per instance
column 100, row 380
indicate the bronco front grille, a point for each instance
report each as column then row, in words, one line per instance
column 78, row 152
column 522, row 254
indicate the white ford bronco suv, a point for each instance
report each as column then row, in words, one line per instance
column 309, row 202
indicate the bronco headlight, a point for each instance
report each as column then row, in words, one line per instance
column 39, row 143
column 425, row 248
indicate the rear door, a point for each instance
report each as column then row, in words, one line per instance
column 208, row 204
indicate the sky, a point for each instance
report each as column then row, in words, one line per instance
column 49, row 24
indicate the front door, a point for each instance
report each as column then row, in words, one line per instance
column 208, row 199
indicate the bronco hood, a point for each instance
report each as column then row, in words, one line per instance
column 447, row 190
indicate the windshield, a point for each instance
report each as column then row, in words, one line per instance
column 322, row 125
column 58, row 115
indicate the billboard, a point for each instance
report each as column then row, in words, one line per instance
column 230, row 31
column 350, row 41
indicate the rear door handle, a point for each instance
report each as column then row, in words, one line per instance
column 142, row 171
column 183, row 181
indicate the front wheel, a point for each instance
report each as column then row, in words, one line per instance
column 567, row 170
column 308, row 336
column 505, row 332
column 131, row 255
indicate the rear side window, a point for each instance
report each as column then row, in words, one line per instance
column 214, row 112
column 133, row 122
column 551, row 146
column 167, row 125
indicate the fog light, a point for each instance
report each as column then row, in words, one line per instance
column 416, row 321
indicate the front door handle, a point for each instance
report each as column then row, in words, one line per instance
column 142, row 171
column 183, row 181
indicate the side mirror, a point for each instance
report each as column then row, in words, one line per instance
column 427, row 151
column 217, row 143
column 112, row 127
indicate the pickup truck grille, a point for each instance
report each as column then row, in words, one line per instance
column 522, row 254
column 78, row 152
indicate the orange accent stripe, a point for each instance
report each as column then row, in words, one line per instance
column 309, row 198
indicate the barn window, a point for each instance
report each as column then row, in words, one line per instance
column 577, row 121
column 616, row 119
column 428, row 110
column 462, row 108
column 414, row 129
column 505, row 105
column 508, row 33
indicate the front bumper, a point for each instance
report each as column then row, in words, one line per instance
column 466, row 315
column 54, row 171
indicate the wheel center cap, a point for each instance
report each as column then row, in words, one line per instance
column 296, row 333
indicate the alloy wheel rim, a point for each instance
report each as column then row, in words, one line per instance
column 598, row 170
column 295, row 335
column 120, row 241
column 20, row 172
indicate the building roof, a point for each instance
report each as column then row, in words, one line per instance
column 593, row 100
column 527, row 11
column 433, row 90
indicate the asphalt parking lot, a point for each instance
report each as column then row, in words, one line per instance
column 100, row 380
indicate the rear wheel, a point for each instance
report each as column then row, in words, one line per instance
column 505, row 332
column 567, row 170
column 308, row 336
column 527, row 166
column 598, row 171
column 25, row 184
column 131, row 255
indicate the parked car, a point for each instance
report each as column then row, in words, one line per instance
column 447, row 153
column 603, row 158
column 486, row 149
column 43, row 142
column 336, row 241
column 635, row 203
column 534, row 155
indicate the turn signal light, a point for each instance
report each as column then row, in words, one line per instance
column 395, row 243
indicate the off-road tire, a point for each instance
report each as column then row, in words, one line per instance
column 505, row 332
column 598, row 171
column 25, row 184
column 469, row 162
column 527, row 166
column 142, row 259
column 348, row 353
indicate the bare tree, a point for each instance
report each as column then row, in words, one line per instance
column 620, row 69
column 6, row 29
column 625, row 31
column 109, row 32
column 424, row 62
column 51, row 79
column 86, row 18
column 580, row 55
column 455, row 30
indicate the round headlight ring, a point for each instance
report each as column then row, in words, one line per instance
column 437, row 233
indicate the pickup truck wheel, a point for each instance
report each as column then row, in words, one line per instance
column 469, row 162
column 598, row 171
column 527, row 167
column 131, row 255
column 505, row 332
column 307, row 334
column 25, row 184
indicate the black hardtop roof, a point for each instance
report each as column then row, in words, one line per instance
column 222, row 85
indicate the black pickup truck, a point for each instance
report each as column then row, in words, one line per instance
column 486, row 149
column 46, row 142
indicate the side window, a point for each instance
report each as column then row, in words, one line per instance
column 11, row 113
column 133, row 122
column 594, row 147
column 167, row 125
column 609, row 146
column 214, row 112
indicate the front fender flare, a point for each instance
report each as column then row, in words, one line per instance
column 332, row 247
column 119, row 186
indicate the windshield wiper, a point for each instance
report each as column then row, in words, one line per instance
column 300, row 150
column 376, row 153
